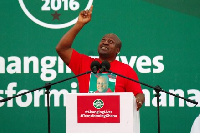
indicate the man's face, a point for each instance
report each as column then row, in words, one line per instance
column 102, row 84
column 107, row 47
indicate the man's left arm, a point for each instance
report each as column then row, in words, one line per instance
column 135, row 88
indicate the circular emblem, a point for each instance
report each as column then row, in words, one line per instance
column 98, row 103
column 54, row 14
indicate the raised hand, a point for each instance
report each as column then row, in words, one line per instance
column 85, row 16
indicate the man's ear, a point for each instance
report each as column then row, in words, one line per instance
column 118, row 50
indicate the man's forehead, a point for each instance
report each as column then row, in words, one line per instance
column 111, row 36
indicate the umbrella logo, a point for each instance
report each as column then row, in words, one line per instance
column 98, row 103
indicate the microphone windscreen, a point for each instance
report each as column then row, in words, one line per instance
column 106, row 64
column 95, row 64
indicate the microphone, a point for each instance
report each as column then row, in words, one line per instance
column 105, row 66
column 95, row 65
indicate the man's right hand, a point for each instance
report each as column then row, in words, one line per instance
column 85, row 16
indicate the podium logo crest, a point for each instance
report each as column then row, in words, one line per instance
column 98, row 103
column 54, row 14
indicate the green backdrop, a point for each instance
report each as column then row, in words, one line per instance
column 160, row 41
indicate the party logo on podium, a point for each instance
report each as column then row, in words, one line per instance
column 98, row 109
column 54, row 14
column 98, row 103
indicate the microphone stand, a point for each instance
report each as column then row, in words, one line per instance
column 157, row 89
column 47, row 87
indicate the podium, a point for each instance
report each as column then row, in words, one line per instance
column 102, row 113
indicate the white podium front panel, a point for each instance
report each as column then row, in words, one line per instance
column 102, row 113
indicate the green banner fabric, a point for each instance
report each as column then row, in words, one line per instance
column 160, row 41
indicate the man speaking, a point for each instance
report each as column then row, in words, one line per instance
column 108, row 49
